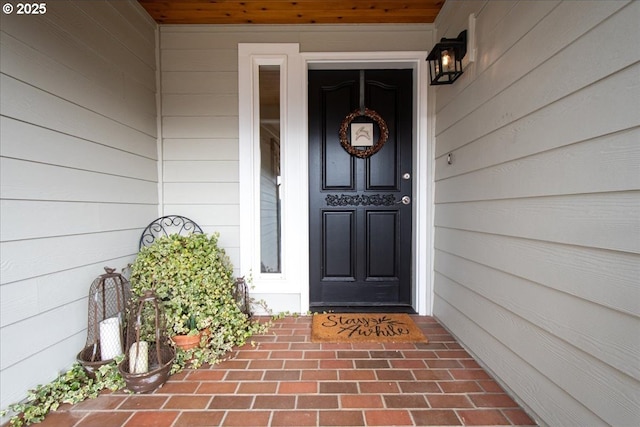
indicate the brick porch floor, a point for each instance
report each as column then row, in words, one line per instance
column 286, row 380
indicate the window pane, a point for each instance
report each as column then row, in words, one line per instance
column 270, row 224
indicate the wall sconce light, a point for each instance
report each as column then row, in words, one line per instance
column 445, row 59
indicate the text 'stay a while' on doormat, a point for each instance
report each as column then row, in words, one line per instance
column 365, row 327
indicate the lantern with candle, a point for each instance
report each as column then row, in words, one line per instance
column 108, row 297
column 148, row 354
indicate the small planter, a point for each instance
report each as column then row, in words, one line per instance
column 187, row 342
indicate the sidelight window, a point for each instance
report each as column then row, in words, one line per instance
column 270, row 176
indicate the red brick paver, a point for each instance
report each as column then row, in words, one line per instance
column 284, row 379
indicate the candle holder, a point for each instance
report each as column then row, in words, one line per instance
column 108, row 296
column 148, row 355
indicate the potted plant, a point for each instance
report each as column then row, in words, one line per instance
column 192, row 338
column 194, row 279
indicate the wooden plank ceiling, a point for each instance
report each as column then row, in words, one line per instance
column 292, row 12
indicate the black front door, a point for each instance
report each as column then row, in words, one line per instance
column 360, row 229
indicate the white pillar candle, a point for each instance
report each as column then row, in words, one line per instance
column 110, row 339
column 139, row 359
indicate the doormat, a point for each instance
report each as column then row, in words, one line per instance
column 365, row 327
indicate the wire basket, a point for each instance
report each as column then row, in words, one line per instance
column 148, row 354
column 108, row 296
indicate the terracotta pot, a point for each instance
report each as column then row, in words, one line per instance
column 186, row 342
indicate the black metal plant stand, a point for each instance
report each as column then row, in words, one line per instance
column 166, row 225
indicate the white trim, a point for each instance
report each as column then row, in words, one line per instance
column 250, row 57
column 159, row 138
column 425, row 186
column 296, row 280
column 424, row 161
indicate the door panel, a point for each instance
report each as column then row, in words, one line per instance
column 360, row 236
column 382, row 247
column 339, row 244
column 338, row 170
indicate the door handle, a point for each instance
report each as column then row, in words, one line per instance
column 405, row 200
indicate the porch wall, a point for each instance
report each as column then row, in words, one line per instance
column 79, row 177
column 537, row 234
column 199, row 88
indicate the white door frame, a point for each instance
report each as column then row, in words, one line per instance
column 295, row 278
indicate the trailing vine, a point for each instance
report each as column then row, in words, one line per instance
column 71, row 387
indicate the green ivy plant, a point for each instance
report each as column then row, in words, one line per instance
column 193, row 277
column 70, row 387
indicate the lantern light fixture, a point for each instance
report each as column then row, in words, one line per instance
column 445, row 59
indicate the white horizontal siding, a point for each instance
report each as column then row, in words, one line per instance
column 613, row 159
column 229, row 238
column 123, row 23
column 54, row 326
column 558, row 313
column 88, row 218
column 213, row 215
column 576, row 372
column 567, row 268
column 29, row 142
column 225, row 126
column 558, row 408
column 28, row 298
column 24, row 180
column 78, row 165
column 94, row 33
column 573, row 220
column 48, row 364
column 29, row 104
column 118, row 95
column 213, row 193
column 24, row 259
column 208, row 171
column 199, row 82
column 558, row 61
column 218, row 149
column 210, row 60
column 386, row 38
column 312, row 38
column 543, row 130
column 199, row 104
column 538, row 218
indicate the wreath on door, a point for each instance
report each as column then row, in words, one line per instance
column 367, row 152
